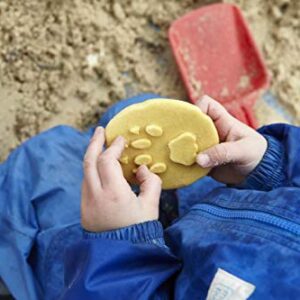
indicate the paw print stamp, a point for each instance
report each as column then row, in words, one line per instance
column 145, row 158
column 166, row 136
column 182, row 149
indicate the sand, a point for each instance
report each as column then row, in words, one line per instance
column 64, row 62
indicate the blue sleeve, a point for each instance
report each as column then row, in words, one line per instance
column 128, row 263
column 280, row 166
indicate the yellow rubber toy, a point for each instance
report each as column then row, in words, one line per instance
column 166, row 135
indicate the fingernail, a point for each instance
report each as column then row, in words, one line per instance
column 198, row 101
column 120, row 138
column 203, row 160
column 206, row 97
column 140, row 171
column 144, row 168
column 98, row 129
column 96, row 133
column 201, row 98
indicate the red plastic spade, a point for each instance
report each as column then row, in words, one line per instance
column 217, row 56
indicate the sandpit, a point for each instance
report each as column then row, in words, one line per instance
column 64, row 62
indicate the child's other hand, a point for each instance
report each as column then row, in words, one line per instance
column 241, row 148
column 107, row 201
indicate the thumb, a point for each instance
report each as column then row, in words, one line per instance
column 150, row 184
column 221, row 154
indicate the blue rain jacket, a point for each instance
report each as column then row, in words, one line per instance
column 251, row 231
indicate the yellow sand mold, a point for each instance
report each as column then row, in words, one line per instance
column 166, row 135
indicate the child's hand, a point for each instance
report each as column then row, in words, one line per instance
column 241, row 148
column 107, row 200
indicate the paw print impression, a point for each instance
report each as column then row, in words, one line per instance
column 182, row 149
column 145, row 143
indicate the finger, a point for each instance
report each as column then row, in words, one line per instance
column 90, row 160
column 220, row 116
column 109, row 167
column 212, row 108
column 150, row 185
column 84, row 193
column 116, row 148
column 221, row 154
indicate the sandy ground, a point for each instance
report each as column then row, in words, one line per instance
column 64, row 62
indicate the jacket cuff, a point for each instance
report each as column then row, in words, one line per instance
column 150, row 232
column 269, row 174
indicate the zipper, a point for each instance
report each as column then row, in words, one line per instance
column 250, row 215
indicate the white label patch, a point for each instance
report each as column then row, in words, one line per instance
column 226, row 286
